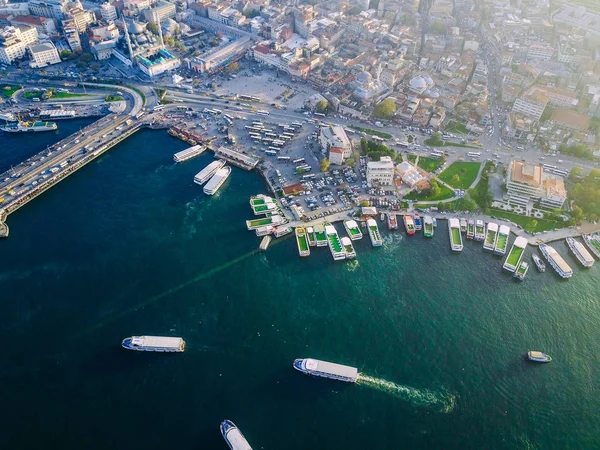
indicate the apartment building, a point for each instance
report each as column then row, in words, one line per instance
column 43, row 54
column 14, row 41
column 381, row 172
column 527, row 183
column 531, row 104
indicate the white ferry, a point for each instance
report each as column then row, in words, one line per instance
column 454, row 232
column 154, row 344
column 321, row 236
column 326, row 369
column 188, row 153
column 593, row 243
column 491, row 236
column 335, row 245
column 541, row 266
column 282, row 231
column 202, row 176
column 262, row 204
column 264, row 244
column 428, row 228
column 470, row 229
column 348, row 248
column 233, row 436
column 353, row 230
column 263, row 231
column 374, row 233
column 28, row 127
column 556, row 261
column 538, row 357
column 217, row 180
column 521, row 271
column 312, row 238
column 302, row 242
column 502, row 240
column 516, row 254
column 479, row 230
column 582, row 255
column 463, row 225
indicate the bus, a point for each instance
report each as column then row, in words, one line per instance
column 561, row 173
column 261, row 112
column 274, row 149
column 474, row 154
column 278, row 143
column 299, row 161
column 245, row 98
column 270, row 152
column 139, row 115
column 283, row 158
column 284, row 138
column 377, row 138
column 548, row 166
column 257, row 122
column 309, row 176
column 228, row 116
column 255, row 99
column 298, row 124
column 255, row 137
column 319, row 114
column 253, row 129
column 158, row 108
column 289, row 135
column 181, row 108
column 436, row 154
column 271, row 135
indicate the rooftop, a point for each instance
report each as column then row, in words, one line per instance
column 526, row 174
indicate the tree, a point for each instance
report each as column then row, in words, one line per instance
column 233, row 66
column 363, row 144
column 455, row 180
column 575, row 173
column 577, row 212
column 385, row 109
column 86, row 57
column 324, row 165
column 65, row 54
column 351, row 161
column 322, row 106
column 152, row 27
column 547, row 114
column 176, row 31
column 364, row 203
column 534, row 223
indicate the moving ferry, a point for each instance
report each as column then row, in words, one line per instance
column 556, row 261
column 582, row 255
column 203, row 176
column 491, row 236
column 188, row 153
column 326, row 369
column 28, row 127
column 217, row 180
column 376, row 240
column 353, row 230
column 233, row 436
column 154, row 344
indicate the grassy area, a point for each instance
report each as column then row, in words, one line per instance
column 528, row 223
column 370, row 131
column 424, row 196
column 32, row 94
column 113, row 98
column 9, row 89
column 456, row 127
column 67, row 95
column 432, row 142
column 425, row 163
column 460, row 175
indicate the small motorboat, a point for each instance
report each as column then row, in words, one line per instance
column 538, row 357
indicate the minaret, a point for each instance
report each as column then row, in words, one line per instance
column 157, row 22
column 127, row 40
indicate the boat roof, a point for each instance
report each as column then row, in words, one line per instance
column 453, row 222
column 346, row 241
column 331, row 368
column 537, row 355
column 504, row 229
column 558, row 259
column 351, row 224
column 236, row 440
column 371, row 222
column 157, row 341
column 492, row 226
column 520, row 242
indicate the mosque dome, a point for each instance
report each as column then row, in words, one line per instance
column 418, row 83
column 364, row 78
column 428, row 80
column 136, row 28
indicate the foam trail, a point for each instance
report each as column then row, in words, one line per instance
column 442, row 402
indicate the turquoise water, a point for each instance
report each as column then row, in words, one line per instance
column 130, row 245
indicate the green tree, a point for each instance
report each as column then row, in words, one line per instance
column 66, row 54
column 385, row 109
column 454, row 180
column 363, row 144
column 351, row 161
column 322, row 106
column 534, row 223
column 86, row 58
column 577, row 212
column 364, row 203
column 152, row 27
column 547, row 114
column 324, row 165
column 575, row 173
column 233, row 66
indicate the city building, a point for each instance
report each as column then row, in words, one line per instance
column 158, row 63
column 108, row 12
column 336, row 156
column 531, row 104
column 71, row 35
column 161, row 11
column 381, row 172
column 81, row 18
column 527, row 184
column 14, row 42
column 44, row 25
column 43, row 54
column 539, row 51
column 57, row 9
column 219, row 58
column 334, row 137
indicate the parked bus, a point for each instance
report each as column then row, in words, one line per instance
column 139, row 115
column 275, row 149
column 299, row 161
column 245, row 98
column 228, row 116
column 319, row 114
column 548, row 166
column 158, row 108
column 283, row 158
column 309, row 176
column 262, row 113
column 474, row 154
column 377, row 138
column 284, row 138
column 270, row 152
column 255, row 99
column 299, row 124
column 271, row 135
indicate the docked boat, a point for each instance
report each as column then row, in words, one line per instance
column 376, row 240
column 263, row 231
column 463, row 225
column 521, row 271
column 321, row 236
column 188, row 153
column 580, row 252
column 326, row 369
column 274, row 220
column 203, row 176
column 491, row 236
column 455, row 237
column 348, row 248
column 470, row 229
column 217, row 180
column 335, row 245
column 502, row 240
column 515, row 255
column 434, row 222
column 262, row 204
column 556, row 261
column 28, row 127
column 302, row 241
column 312, row 238
column 233, row 436
column 8, row 117
column 428, row 226
column 264, row 244
column 479, row 230
column 154, row 344
column 418, row 222
column 392, row 222
column 353, row 230
column 282, row 231
column 592, row 241
column 382, row 217
column 541, row 266
column 409, row 224
column 538, row 357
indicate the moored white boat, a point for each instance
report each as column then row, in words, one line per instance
column 541, row 266
column 203, row 176
column 335, row 245
column 592, row 241
column 580, row 252
column 556, row 261
column 491, row 236
column 470, row 229
column 348, row 248
column 454, row 232
column 376, row 240
column 516, row 254
column 233, row 436
column 188, row 153
column 302, row 242
column 353, row 230
column 217, row 180
column 502, row 240
column 479, row 230
column 521, row 271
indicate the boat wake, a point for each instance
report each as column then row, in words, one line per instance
column 443, row 402
column 352, row 265
column 392, row 242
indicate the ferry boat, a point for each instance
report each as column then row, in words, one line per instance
column 353, row 230
column 538, row 357
column 434, row 222
column 502, row 240
column 312, row 239
column 409, row 224
column 592, row 241
column 479, row 230
column 154, row 344
column 203, row 176
column 233, row 436
column 521, row 271
column 516, row 254
column 321, row 236
column 428, row 226
column 418, row 223
column 582, row 255
column 556, row 261
column 28, row 127
column 463, row 225
column 263, row 231
column 348, row 248
column 264, row 244
column 8, row 117
column 382, row 217
column 470, row 229
column 272, row 220
column 392, row 222
column 335, row 246
column 302, row 241
column 491, row 236
column 455, row 237
column 541, row 266
column 282, row 231
column 376, row 240
column 188, row 153
column 326, row 369
column 217, row 180
column 262, row 204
